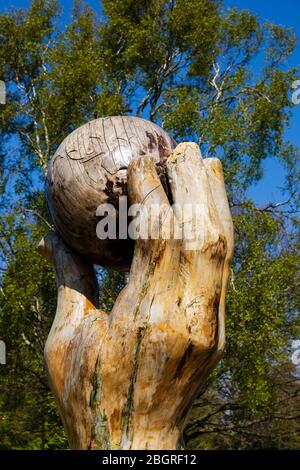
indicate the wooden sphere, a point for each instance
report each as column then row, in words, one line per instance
column 90, row 168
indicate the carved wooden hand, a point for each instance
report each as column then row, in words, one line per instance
column 126, row 380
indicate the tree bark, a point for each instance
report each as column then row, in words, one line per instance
column 127, row 380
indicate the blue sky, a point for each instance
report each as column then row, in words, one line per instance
column 286, row 13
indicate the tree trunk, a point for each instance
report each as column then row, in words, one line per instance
column 127, row 380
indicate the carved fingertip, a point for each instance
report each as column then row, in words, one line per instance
column 140, row 163
column 216, row 166
column 185, row 151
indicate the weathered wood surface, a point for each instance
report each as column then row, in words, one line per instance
column 127, row 380
column 90, row 168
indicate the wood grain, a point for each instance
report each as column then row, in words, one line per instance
column 127, row 380
column 90, row 168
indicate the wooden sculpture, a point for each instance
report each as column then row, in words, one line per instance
column 127, row 380
column 90, row 168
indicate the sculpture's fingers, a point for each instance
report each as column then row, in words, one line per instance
column 144, row 185
column 214, row 170
column 155, row 217
column 194, row 204
column 204, row 244
column 148, row 200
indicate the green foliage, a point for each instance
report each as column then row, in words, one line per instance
column 112, row 282
column 262, row 311
column 206, row 74
column 255, row 390
column 27, row 304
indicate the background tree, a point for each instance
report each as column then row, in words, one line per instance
column 189, row 66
